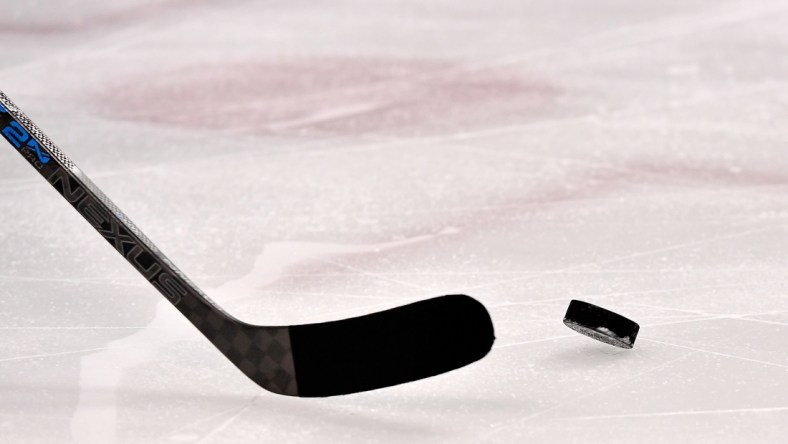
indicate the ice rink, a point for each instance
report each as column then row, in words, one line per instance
column 308, row 161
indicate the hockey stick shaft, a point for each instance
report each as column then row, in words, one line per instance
column 104, row 216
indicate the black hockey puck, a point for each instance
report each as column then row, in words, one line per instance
column 600, row 324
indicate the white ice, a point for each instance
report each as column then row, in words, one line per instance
column 311, row 161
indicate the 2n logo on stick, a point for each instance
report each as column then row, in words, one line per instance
column 20, row 138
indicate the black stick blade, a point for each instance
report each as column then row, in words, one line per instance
column 392, row 347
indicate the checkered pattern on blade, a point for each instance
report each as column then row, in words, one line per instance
column 264, row 354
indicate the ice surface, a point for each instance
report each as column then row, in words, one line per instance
column 309, row 161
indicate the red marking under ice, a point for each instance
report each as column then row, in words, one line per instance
column 329, row 96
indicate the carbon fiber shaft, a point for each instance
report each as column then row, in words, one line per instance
column 262, row 353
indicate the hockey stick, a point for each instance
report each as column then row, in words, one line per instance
column 379, row 350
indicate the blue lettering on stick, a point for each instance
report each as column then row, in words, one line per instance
column 19, row 137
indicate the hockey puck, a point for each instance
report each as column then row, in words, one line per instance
column 600, row 324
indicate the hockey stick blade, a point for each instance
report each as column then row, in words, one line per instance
column 379, row 350
column 392, row 347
